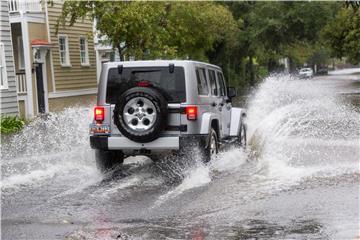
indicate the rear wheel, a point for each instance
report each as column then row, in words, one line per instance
column 211, row 147
column 106, row 160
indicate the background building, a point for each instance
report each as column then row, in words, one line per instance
column 9, row 102
column 54, row 69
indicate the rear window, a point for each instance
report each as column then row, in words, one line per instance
column 170, row 85
column 201, row 82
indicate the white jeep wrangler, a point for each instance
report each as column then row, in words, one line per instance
column 159, row 107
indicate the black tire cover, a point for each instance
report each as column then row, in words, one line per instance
column 160, row 107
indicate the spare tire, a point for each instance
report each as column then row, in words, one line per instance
column 140, row 114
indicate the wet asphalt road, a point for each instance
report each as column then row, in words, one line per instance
column 298, row 178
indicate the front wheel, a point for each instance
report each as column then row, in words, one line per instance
column 242, row 135
column 106, row 160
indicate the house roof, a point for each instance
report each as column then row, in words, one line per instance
column 40, row 42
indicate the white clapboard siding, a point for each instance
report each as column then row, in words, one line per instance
column 8, row 99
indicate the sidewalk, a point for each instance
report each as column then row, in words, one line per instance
column 345, row 71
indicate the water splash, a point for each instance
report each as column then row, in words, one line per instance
column 52, row 145
column 194, row 178
column 294, row 125
column 51, row 133
column 296, row 129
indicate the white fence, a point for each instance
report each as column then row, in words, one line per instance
column 25, row 6
column 21, row 83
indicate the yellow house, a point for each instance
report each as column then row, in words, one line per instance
column 53, row 69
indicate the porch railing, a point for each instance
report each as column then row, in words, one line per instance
column 25, row 6
column 21, row 83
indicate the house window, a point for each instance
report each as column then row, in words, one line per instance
column 3, row 76
column 84, row 54
column 64, row 50
column 20, row 53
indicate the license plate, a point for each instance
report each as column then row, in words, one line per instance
column 99, row 129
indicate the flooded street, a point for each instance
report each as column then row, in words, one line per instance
column 298, row 178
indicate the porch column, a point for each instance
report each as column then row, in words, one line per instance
column 46, row 95
column 27, row 62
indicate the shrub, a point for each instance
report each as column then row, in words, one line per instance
column 10, row 124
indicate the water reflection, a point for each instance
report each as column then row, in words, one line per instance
column 176, row 229
column 260, row 229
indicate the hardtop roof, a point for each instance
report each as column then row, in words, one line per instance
column 157, row 63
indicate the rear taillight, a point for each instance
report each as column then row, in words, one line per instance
column 191, row 112
column 99, row 114
column 144, row 83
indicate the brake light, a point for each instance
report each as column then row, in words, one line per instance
column 99, row 114
column 191, row 112
column 144, row 84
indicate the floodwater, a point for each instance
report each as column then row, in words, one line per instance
column 298, row 178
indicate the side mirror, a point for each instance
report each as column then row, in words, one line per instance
column 231, row 92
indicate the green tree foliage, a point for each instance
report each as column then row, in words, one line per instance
column 197, row 26
column 342, row 34
column 269, row 31
column 285, row 29
column 157, row 29
column 246, row 39
column 299, row 52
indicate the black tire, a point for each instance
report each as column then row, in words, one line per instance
column 241, row 141
column 160, row 104
column 206, row 148
column 106, row 160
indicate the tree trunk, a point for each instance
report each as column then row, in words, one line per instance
column 271, row 65
column 292, row 65
column 251, row 70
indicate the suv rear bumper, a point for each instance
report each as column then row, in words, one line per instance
column 123, row 143
column 160, row 144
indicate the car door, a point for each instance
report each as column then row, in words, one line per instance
column 203, row 101
column 224, row 105
column 216, row 100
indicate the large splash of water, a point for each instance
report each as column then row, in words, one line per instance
column 300, row 126
column 296, row 128
column 52, row 133
column 51, row 145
